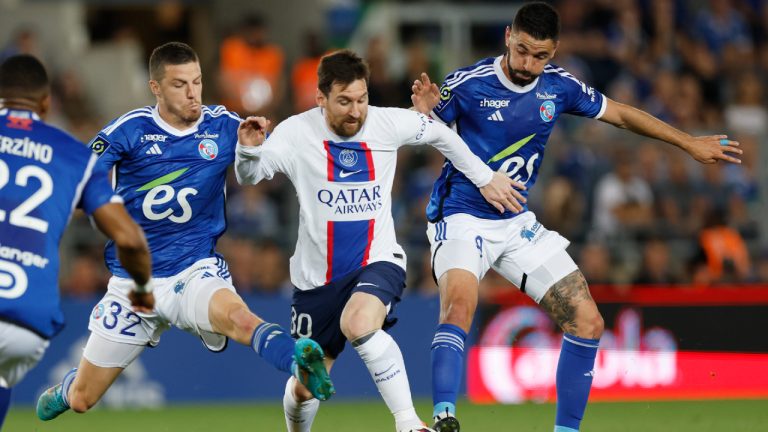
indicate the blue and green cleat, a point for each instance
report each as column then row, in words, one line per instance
column 310, row 370
column 51, row 404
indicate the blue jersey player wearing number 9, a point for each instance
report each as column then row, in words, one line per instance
column 44, row 174
column 169, row 163
column 505, row 108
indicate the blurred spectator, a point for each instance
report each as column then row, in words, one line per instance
column 723, row 251
column 747, row 113
column 271, row 266
column 594, row 261
column 251, row 70
column 85, row 277
column 657, row 266
column 382, row 90
column 252, row 214
column 23, row 41
column 623, row 201
column 304, row 73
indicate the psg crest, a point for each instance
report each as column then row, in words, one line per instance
column 348, row 158
column 547, row 111
column 208, row 149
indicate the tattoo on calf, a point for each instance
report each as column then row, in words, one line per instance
column 561, row 300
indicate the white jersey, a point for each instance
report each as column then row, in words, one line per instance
column 344, row 185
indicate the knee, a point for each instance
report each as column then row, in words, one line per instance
column 459, row 312
column 358, row 323
column 591, row 326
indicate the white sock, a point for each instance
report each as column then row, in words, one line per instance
column 298, row 416
column 384, row 360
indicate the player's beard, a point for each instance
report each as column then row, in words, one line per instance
column 519, row 77
column 345, row 129
column 189, row 114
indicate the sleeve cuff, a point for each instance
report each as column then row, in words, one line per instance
column 248, row 151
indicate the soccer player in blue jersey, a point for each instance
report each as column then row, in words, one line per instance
column 44, row 174
column 505, row 108
column 169, row 163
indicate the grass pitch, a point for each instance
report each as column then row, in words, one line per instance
column 372, row 416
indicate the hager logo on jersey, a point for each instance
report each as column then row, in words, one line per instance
column 208, row 149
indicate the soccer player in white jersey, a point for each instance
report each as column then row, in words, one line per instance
column 505, row 108
column 169, row 164
column 348, row 270
column 44, row 174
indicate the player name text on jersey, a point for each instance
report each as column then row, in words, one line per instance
column 27, row 148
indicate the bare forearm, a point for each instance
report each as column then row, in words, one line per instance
column 642, row 123
column 137, row 262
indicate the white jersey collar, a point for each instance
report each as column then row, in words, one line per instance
column 30, row 113
column 172, row 130
column 509, row 84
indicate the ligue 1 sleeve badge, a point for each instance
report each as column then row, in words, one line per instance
column 208, row 149
column 547, row 111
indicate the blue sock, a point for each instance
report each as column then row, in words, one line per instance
column 574, row 380
column 274, row 345
column 447, row 363
column 66, row 383
column 5, row 402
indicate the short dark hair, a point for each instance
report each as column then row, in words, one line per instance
column 23, row 76
column 341, row 67
column 539, row 20
column 171, row 53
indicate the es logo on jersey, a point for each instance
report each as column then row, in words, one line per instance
column 160, row 193
column 547, row 111
column 208, row 149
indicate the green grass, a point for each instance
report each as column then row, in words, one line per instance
column 372, row 416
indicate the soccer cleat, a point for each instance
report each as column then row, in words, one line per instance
column 51, row 404
column 446, row 422
column 310, row 369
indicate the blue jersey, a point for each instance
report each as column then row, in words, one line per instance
column 172, row 181
column 506, row 125
column 44, row 174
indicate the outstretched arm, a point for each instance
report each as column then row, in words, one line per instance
column 132, row 250
column 705, row 149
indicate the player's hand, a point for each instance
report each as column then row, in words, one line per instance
column 713, row 148
column 253, row 131
column 142, row 302
column 504, row 193
column 425, row 95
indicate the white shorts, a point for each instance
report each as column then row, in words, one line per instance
column 180, row 300
column 20, row 350
column 516, row 248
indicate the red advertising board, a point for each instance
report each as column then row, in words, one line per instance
column 659, row 343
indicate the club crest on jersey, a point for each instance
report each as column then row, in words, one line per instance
column 348, row 158
column 547, row 111
column 208, row 149
column 98, row 311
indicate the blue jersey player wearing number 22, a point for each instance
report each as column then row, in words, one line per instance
column 505, row 108
column 34, row 211
column 169, row 163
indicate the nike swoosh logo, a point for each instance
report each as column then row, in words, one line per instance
column 382, row 373
column 344, row 174
column 366, row 284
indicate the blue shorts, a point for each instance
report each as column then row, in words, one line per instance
column 316, row 313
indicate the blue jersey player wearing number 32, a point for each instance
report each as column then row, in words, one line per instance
column 169, row 163
column 44, row 175
column 505, row 108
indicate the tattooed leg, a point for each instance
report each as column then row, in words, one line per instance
column 569, row 303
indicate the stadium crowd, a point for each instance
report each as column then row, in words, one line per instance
column 636, row 212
